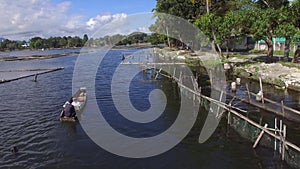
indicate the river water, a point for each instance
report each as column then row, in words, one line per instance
column 29, row 118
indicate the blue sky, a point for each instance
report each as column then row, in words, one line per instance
column 25, row 19
column 95, row 7
column 92, row 8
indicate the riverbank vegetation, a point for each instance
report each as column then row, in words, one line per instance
column 44, row 43
column 134, row 38
column 224, row 21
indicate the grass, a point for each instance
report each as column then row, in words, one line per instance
column 275, row 52
column 289, row 64
column 239, row 56
column 210, row 63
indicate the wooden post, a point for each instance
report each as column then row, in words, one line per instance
column 249, row 97
column 210, row 76
column 194, row 83
column 35, row 77
column 157, row 73
column 260, row 136
column 261, row 89
column 280, row 130
column 174, row 72
column 220, row 99
column 228, row 118
column 180, row 80
column 282, row 108
column 283, row 142
column 140, row 63
column 275, row 127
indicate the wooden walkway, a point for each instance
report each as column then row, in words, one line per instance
column 44, row 71
column 276, row 133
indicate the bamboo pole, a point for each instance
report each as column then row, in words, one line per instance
column 174, row 72
column 228, row 118
column 278, row 104
column 283, row 143
column 260, row 135
column 261, row 89
column 157, row 73
column 280, row 130
column 26, row 76
column 180, row 77
column 275, row 127
column 35, row 78
column 265, row 107
column 282, row 108
column 228, row 108
column 248, row 92
column 218, row 109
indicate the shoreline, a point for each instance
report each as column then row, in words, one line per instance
column 281, row 75
column 35, row 57
column 50, row 56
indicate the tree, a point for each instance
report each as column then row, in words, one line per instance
column 63, row 42
column 296, row 21
column 33, row 41
column 74, row 41
column 262, row 20
column 85, row 39
column 156, row 39
column 165, row 23
column 38, row 44
column 184, row 9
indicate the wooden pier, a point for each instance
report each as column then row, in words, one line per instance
column 279, row 135
column 40, row 72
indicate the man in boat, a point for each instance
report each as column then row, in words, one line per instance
column 69, row 110
column 123, row 57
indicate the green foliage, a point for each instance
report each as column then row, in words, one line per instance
column 185, row 9
column 254, row 51
column 276, row 52
column 11, row 45
column 156, row 39
column 57, row 42
column 133, row 38
column 85, row 38
column 118, row 40
column 221, row 20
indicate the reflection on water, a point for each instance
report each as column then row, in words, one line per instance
column 29, row 120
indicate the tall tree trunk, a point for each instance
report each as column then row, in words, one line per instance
column 270, row 50
column 207, row 6
column 287, row 48
column 297, row 54
column 213, row 33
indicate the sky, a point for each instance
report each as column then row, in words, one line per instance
column 24, row 19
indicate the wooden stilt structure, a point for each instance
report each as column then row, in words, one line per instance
column 44, row 71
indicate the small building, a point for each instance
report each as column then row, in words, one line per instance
column 278, row 44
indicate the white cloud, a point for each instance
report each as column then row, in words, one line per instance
column 18, row 17
column 25, row 19
column 121, row 24
column 103, row 19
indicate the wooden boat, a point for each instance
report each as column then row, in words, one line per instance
column 80, row 99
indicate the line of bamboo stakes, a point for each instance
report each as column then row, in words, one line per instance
column 264, row 129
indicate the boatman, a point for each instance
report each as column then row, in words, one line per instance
column 123, row 57
column 69, row 110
